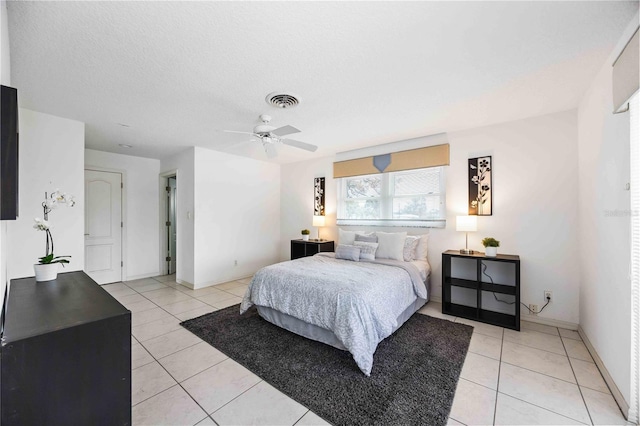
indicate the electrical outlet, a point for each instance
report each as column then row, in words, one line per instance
column 548, row 295
column 235, row 263
column 533, row 308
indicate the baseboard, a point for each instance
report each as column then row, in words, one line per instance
column 212, row 283
column 617, row 395
column 141, row 276
column 548, row 321
column 435, row 298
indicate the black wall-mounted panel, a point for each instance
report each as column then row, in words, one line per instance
column 8, row 153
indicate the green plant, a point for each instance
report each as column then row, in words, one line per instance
column 305, row 232
column 490, row 242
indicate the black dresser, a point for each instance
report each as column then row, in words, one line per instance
column 301, row 248
column 65, row 354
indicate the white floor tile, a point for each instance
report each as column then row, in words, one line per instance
column 149, row 287
column 261, row 405
column 453, row 422
column 166, row 296
column 230, row 285
column 118, row 293
column 569, row 334
column 538, row 360
column 171, row 407
column 485, row 345
column 588, row 375
column 220, row 384
column 535, row 339
column 110, row 288
column 207, row 422
column 528, row 325
column 434, row 309
column 145, row 317
column 183, row 316
column 511, row 411
column 149, row 380
column 482, row 328
column 139, row 356
column 130, row 299
column 171, row 342
column 140, row 282
column 184, row 306
column 228, row 302
column 312, row 419
column 576, row 349
column 164, row 278
column 156, row 328
column 192, row 360
column 246, row 280
column 603, row 408
column 199, row 292
column 547, row 392
column 481, row 370
column 473, row 404
column 216, row 298
column 144, row 305
column 238, row 291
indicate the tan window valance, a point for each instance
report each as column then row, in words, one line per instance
column 431, row 156
column 626, row 78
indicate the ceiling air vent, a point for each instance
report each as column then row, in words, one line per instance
column 282, row 100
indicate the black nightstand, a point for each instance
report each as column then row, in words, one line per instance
column 301, row 248
column 468, row 292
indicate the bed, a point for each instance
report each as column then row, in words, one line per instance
column 351, row 305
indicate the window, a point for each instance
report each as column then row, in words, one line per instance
column 414, row 198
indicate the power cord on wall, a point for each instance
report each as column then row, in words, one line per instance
column 484, row 272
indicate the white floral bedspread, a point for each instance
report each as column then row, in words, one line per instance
column 359, row 301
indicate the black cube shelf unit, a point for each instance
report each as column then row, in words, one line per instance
column 468, row 293
column 302, row 248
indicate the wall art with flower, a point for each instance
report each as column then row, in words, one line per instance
column 480, row 186
column 318, row 196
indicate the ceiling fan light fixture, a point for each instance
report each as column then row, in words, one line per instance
column 282, row 100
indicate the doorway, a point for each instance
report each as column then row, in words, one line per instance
column 103, row 226
column 171, row 231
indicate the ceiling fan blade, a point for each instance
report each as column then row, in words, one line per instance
column 244, row 133
column 298, row 144
column 270, row 149
column 285, row 130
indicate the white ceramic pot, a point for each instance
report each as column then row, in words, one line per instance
column 491, row 251
column 46, row 272
column 305, row 237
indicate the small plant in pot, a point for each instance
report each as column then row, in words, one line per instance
column 305, row 234
column 490, row 246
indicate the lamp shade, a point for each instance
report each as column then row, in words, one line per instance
column 318, row 220
column 467, row 223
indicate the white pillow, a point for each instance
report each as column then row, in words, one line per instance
column 391, row 245
column 346, row 237
column 421, row 250
column 410, row 244
column 367, row 249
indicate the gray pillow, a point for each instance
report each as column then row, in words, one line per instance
column 367, row 250
column 367, row 238
column 347, row 252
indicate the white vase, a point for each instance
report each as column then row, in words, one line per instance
column 46, row 272
column 305, row 237
column 491, row 251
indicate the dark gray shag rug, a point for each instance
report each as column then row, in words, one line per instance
column 413, row 381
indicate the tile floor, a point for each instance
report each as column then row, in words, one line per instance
column 541, row 375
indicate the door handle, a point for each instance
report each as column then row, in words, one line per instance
column 86, row 234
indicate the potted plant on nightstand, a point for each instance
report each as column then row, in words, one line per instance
column 490, row 246
column 305, row 234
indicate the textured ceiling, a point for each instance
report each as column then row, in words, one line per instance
column 367, row 73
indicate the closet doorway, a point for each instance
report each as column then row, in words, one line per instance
column 171, row 228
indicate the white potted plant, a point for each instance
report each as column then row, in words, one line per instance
column 490, row 246
column 305, row 234
column 47, row 267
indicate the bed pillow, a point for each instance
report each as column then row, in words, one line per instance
column 367, row 238
column 421, row 249
column 410, row 245
column 346, row 237
column 348, row 252
column 367, row 249
column 391, row 245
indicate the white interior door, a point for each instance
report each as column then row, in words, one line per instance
column 103, row 226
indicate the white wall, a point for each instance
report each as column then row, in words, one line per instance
column 184, row 166
column 5, row 79
column 605, row 296
column 237, row 216
column 535, row 204
column 51, row 157
column 141, row 221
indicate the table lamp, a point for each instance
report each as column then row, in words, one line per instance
column 466, row 224
column 318, row 221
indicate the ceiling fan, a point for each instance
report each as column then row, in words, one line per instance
column 270, row 136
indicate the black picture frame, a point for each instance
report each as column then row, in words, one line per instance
column 8, row 153
column 318, row 196
column 480, row 186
